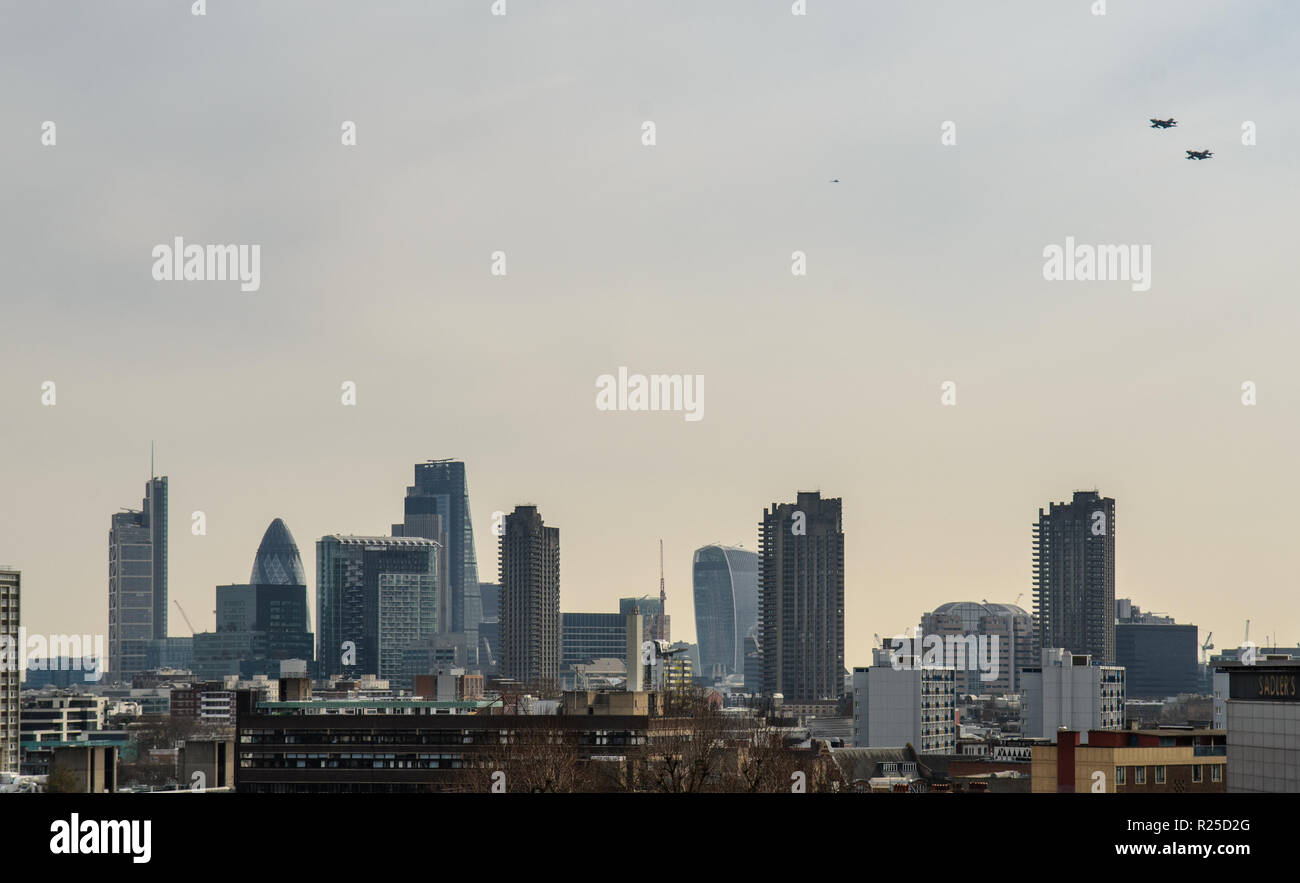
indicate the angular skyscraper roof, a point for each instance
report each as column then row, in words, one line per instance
column 278, row 562
column 441, row 490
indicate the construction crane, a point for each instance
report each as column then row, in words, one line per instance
column 183, row 616
column 1208, row 645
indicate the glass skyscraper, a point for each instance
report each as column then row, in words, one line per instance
column 437, row 508
column 377, row 595
column 137, row 582
column 277, row 562
column 726, row 607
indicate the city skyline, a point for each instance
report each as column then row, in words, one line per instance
column 925, row 265
column 852, row 652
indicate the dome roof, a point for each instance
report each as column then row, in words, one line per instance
column 970, row 611
column 278, row 562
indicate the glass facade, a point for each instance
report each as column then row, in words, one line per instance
column 257, row 626
column 1160, row 660
column 377, row 595
column 441, row 490
column 277, row 562
column 589, row 636
column 137, row 583
column 726, row 607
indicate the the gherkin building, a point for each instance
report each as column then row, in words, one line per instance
column 278, row 562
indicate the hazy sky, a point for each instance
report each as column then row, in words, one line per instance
column 522, row 134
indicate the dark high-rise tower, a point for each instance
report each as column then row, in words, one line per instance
column 437, row 508
column 1074, row 576
column 801, row 598
column 137, row 582
column 530, row 598
column 726, row 607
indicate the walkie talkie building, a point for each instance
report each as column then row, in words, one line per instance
column 725, row 579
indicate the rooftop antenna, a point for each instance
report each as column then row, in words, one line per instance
column 152, row 474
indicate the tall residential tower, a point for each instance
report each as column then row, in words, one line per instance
column 801, row 598
column 530, row 598
column 1074, row 576
column 11, row 664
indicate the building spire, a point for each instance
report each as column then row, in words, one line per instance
column 663, row 598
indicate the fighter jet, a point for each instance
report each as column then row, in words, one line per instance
column 835, row 180
column 1199, row 154
column 1164, row 124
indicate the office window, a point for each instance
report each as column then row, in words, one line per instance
column 1160, row 775
column 1196, row 772
column 1216, row 773
column 1119, row 775
column 1139, row 775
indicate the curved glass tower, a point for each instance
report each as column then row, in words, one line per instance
column 278, row 562
column 726, row 607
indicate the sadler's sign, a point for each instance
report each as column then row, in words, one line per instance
column 1265, row 686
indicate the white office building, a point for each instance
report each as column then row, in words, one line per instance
column 907, row 704
column 62, row 718
column 1070, row 692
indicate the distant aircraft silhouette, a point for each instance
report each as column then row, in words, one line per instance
column 1164, row 124
column 835, row 180
column 1199, row 154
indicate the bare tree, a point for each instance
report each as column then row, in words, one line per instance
column 165, row 731
column 146, row 772
column 766, row 763
column 686, row 748
column 531, row 755
column 822, row 771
